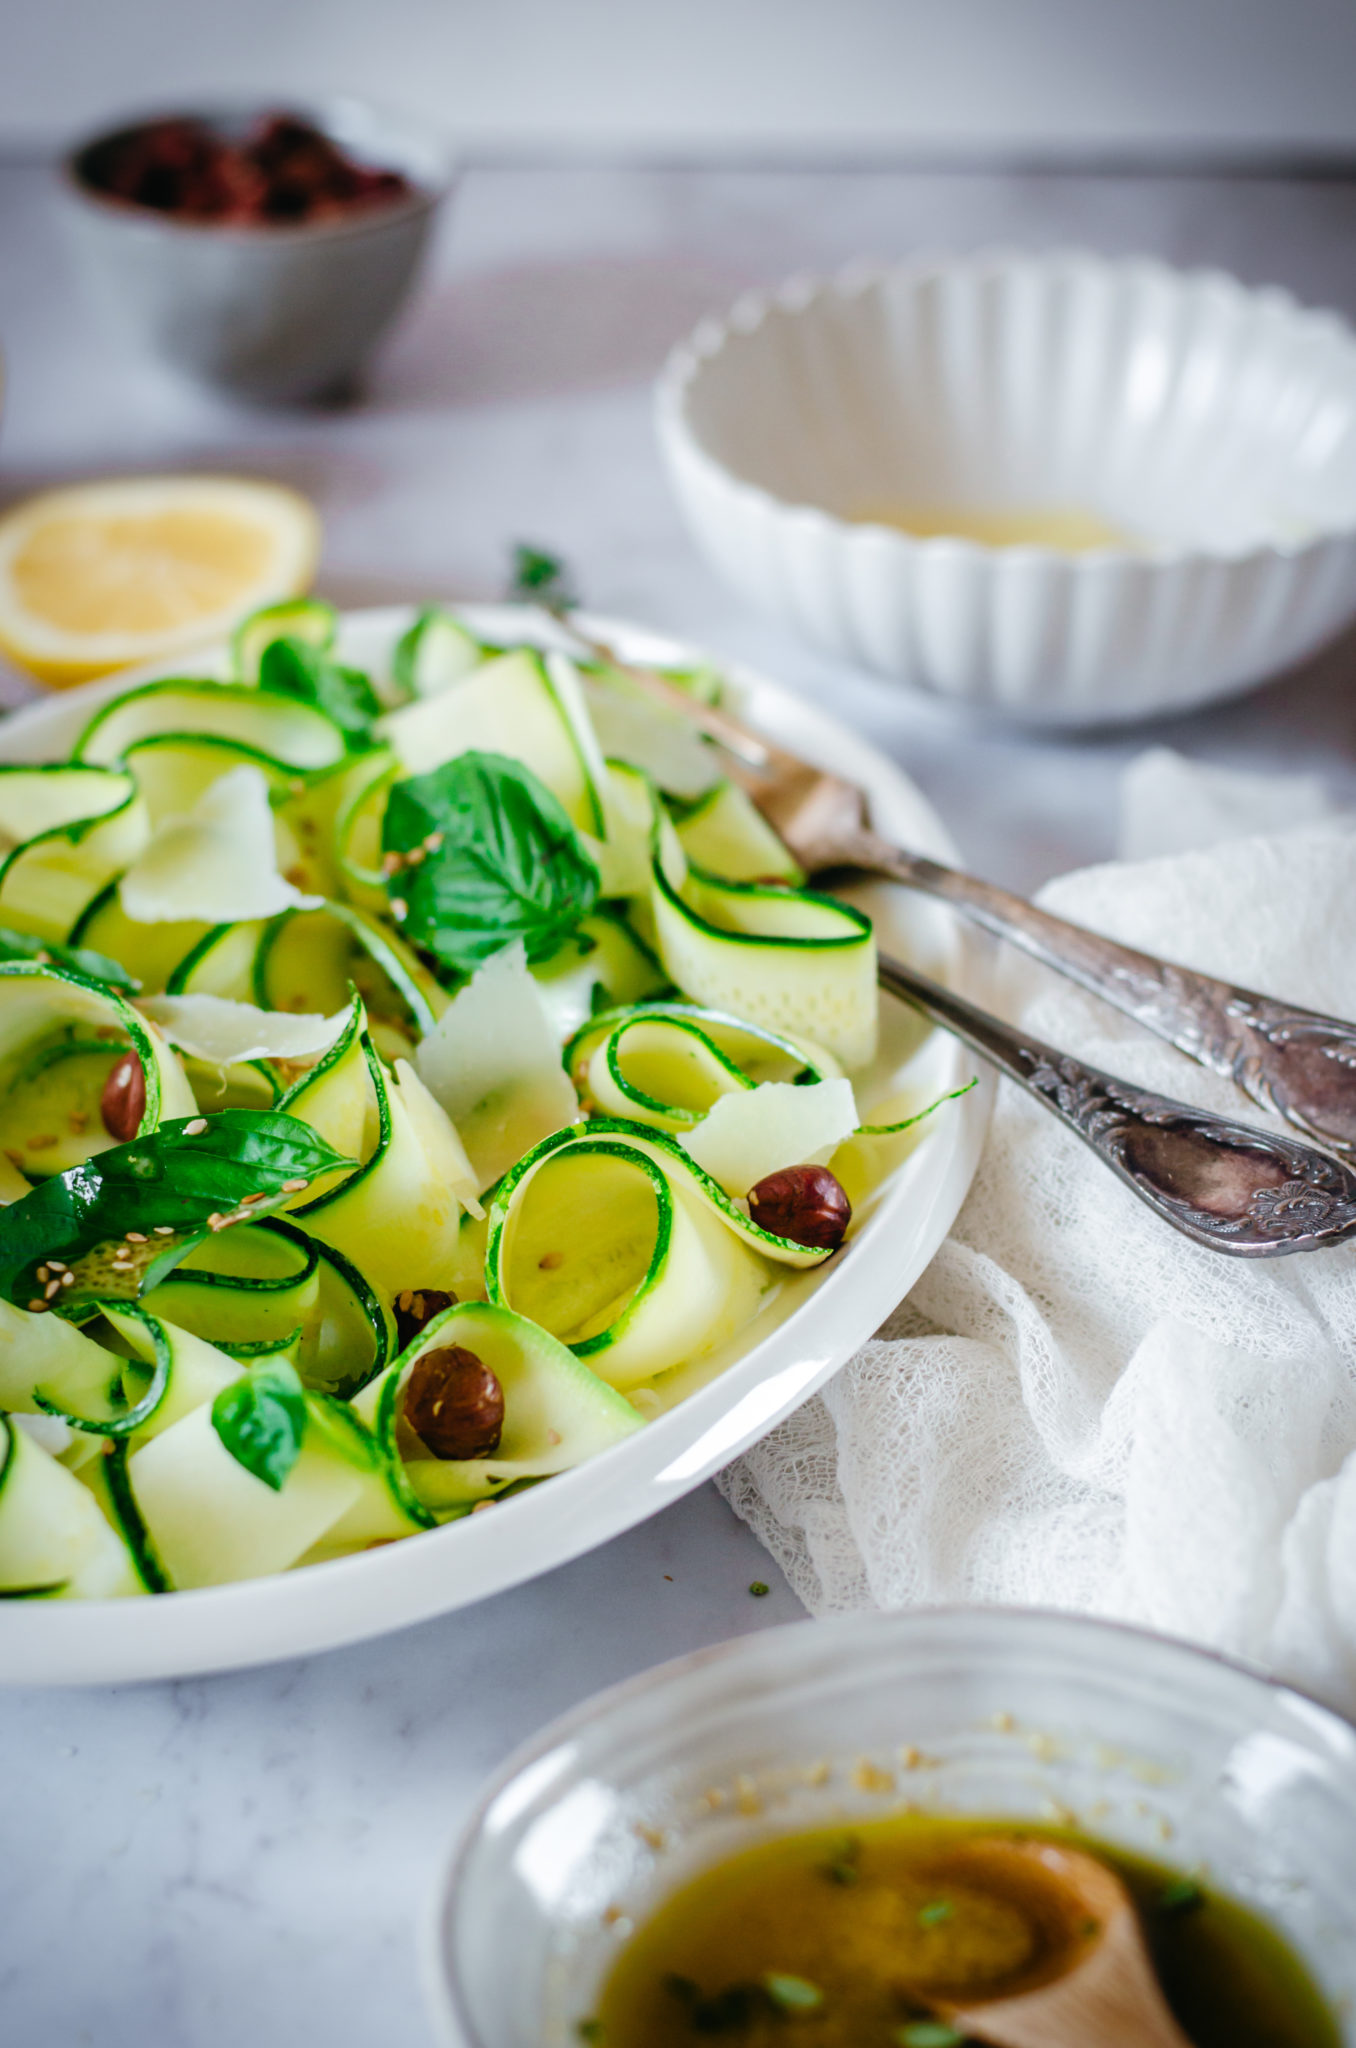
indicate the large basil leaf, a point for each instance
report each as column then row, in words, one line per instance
column 495, row 859
column 261, row 1419
column 294, row 668
column 175, row 1180
column 75, row 959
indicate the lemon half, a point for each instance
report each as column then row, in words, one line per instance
column 100, row 576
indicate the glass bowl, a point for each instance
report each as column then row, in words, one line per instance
column 1036, row 1716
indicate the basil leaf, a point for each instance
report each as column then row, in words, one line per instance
column 295, row 668
column 495, row 859
column 179, row 1177
column 75, row 959
column 540, row 578
column 261, row 1420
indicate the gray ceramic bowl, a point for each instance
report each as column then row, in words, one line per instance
column 279, row 312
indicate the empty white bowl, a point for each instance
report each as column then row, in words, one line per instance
column 1212, row 428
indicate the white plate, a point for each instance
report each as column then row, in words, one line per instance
column 816, row 1325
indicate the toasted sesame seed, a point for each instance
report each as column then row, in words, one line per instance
column 42, row 1274
column 391, row 863
column 403, row 1301
column 414, row 856
column 43, row 1142
column 215, row 1220
column 196, row 1128
column 35, row 1308
column 68, row 1279
column 259, row 1195
column 294, row 1187
column 433, row 842
column 52, row 1287
column 400, row 909
column 164, row 1230
column 136, row 1237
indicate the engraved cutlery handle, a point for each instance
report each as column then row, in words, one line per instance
column 1225, row 1185
column 1290, row 1060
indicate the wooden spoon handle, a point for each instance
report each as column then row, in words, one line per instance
column 1112, row 2001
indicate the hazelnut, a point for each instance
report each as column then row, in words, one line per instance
column 454, row 1404
column 123, row 1102
column 805, row 1203
column 415, row 1308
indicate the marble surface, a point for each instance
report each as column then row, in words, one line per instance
column 245, row 1858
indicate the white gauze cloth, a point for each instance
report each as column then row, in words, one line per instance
column 1076, row 1407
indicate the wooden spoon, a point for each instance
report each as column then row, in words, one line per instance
column 1105, row 1993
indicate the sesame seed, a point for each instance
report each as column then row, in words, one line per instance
column 52, row 1287
column 400, row 909
column 215, row 1220
column 414, row 856
column 164, row 1230
column 43, row 1142
column 42, row 1273
column 196, row 1128
column 294, row 1187
column 259, row 1195
column 391, row 863
column 433, row 842
column 136, row 1237
column 68, row 1279
column 35, row 1308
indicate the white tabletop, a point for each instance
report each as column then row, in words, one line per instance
column 243, row 1859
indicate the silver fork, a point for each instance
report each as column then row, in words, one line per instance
column 1227, row 1185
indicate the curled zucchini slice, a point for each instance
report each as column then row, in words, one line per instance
column 725, row 834
column 668, row 1064
column 433, row 653
column 281, row 728
column 211, row 1520
column 55, row 1541
column 608, row 1236
column 149, row 952
column 59, row 1037
column 604, row 964
column 258, row 1283
column 65, row 833
column 317, row 821
column 296, row 618
column 169, row 1371
column 557, row 1414
column 799, row 964
column 313, row 959
column 524, row 704
column 396, row 1215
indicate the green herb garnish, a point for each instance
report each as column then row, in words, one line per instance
column 760, row 1589
column 540, row 578
column 1183, row 1895
column 844, row 1868
column 167, row 1188
column 936, row 1913
column 73, row 959
column 291, row 667
column 792, row 1994
column 486, row 855
column 261, row 1419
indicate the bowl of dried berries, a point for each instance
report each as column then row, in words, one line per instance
column 264, row 250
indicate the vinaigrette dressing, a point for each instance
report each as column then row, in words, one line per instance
column 1067, row 529
column 833, row 1939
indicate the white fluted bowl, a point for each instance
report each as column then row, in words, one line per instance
column 1213, row 425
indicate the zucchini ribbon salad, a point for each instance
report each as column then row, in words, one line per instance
column 401, row 1076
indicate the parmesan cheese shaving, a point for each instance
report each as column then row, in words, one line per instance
column 217, row 863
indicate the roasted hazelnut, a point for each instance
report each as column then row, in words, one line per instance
column 415, row 1308
column 454, row 1404
column 123, row 1102
column 805, row 1203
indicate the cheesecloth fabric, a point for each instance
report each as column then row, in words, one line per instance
column 1075, row 1407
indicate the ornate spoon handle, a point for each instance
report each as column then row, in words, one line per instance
column 1292, row 1061
column 1225, row 1185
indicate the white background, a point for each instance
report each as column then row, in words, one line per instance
column 736, row 77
